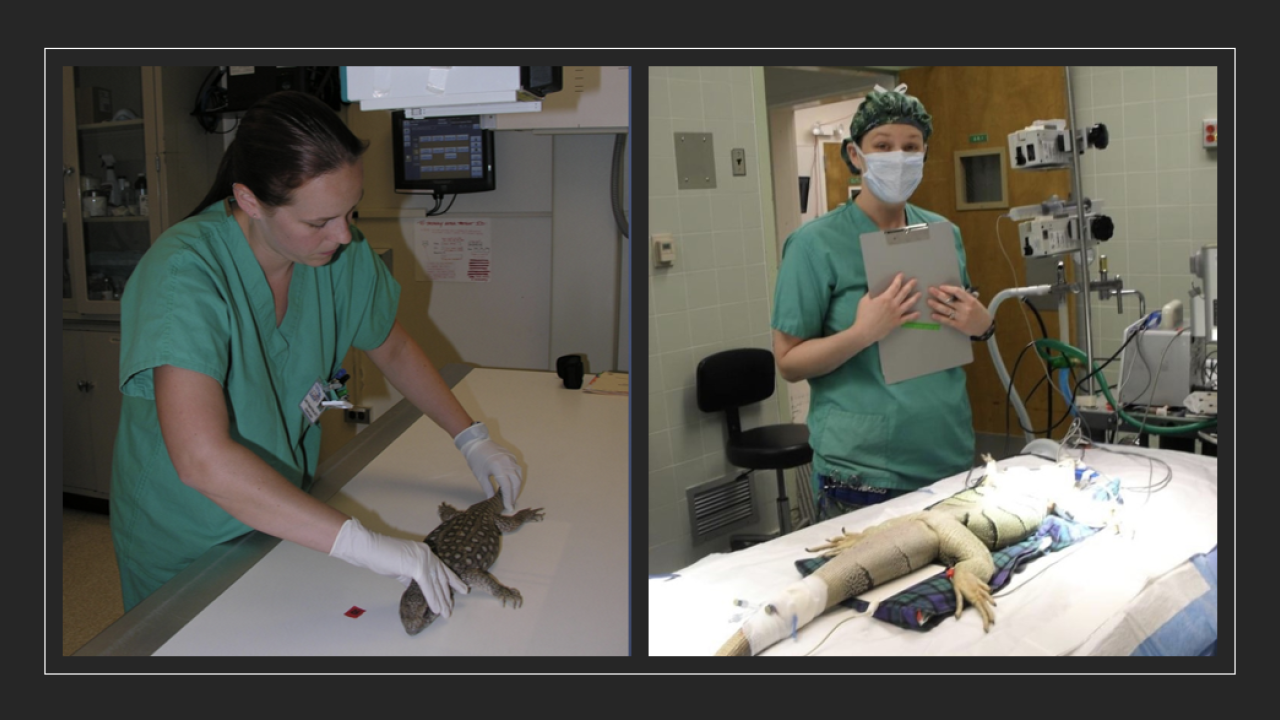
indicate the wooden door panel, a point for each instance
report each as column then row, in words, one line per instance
column 994, row 101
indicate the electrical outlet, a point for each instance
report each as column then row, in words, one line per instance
column 359, row 415
column 1209, row 136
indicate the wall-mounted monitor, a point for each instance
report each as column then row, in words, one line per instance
column 442, row 155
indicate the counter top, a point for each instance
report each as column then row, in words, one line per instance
column 257, row 595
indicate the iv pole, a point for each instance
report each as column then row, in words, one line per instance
column 1085, row 235
column 1082, row 286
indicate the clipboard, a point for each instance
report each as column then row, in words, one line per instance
column 926, row 252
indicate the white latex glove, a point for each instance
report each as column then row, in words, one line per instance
column 486, row 458
column 404, row 560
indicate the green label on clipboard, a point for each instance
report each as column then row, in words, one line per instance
column 922, row 326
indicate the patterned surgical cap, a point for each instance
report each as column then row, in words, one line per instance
column 888, row 107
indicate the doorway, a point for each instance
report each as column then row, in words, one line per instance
column 810, row 109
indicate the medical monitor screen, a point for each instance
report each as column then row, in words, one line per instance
column 442, row 155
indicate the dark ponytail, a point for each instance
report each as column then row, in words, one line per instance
column 283, row 140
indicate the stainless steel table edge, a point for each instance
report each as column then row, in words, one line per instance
column 155, row 620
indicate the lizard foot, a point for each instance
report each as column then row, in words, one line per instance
column 505, row 593
column 977, row 592
column 836, row 545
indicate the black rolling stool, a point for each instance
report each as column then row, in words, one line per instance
column 732, row 379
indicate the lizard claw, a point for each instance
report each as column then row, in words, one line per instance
column 978, row 593
column 836, row 545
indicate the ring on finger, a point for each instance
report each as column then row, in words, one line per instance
column 953, row 314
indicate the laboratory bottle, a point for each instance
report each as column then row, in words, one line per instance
column 140, row 189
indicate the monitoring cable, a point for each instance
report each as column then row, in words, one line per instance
column 1062, row 348
column 322, row 83
column 1210, row 376
column 1074, row 437
column 1159, row 366
column 1151, row 486
column 211, row 100
column 1009, row 392
column 1044, row 332
column 439, row 197
column 854, row 616
column 1008, row 395
column 1077, row 355
column 1124, row 376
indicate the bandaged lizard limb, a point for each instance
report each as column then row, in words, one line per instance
column 959, row 531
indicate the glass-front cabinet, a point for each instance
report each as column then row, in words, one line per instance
column 119, row 125
column 133, row 158
column 108, row 147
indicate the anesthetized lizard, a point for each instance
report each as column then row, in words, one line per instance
column 1006, row 507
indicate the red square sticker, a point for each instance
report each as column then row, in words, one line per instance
column 354, row 612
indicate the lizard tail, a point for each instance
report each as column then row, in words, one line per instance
column 736, row 645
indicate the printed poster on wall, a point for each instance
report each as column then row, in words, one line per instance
column 453, row 250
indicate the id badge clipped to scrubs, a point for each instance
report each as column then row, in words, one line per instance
column 311, row 404
column 317, row 398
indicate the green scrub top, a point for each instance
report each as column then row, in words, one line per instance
column 199, row 300
column 901, row 436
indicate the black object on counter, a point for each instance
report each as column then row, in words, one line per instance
column 570, row 370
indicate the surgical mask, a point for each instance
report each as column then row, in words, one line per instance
column 891, row 176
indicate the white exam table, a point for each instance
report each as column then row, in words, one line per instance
column 257, row 595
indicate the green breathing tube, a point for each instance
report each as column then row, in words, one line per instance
column 1077, row 355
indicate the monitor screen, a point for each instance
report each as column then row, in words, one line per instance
column 442, row 155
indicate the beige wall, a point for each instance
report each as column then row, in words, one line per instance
column 556, row 279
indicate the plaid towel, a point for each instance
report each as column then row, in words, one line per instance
column 928, row 602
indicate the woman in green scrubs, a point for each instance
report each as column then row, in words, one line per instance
column 879, row 439
column 232, row 326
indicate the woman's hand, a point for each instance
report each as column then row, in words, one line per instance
column 879, row 315
column 957, row 308
column 405, row 560
column 487, row 458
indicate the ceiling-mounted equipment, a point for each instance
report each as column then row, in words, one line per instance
column 450, row 90
column 247, row 84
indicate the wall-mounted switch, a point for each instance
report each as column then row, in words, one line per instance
column 739, row 157
column 664, row 250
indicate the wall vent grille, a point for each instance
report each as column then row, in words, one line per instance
column 720, row 507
